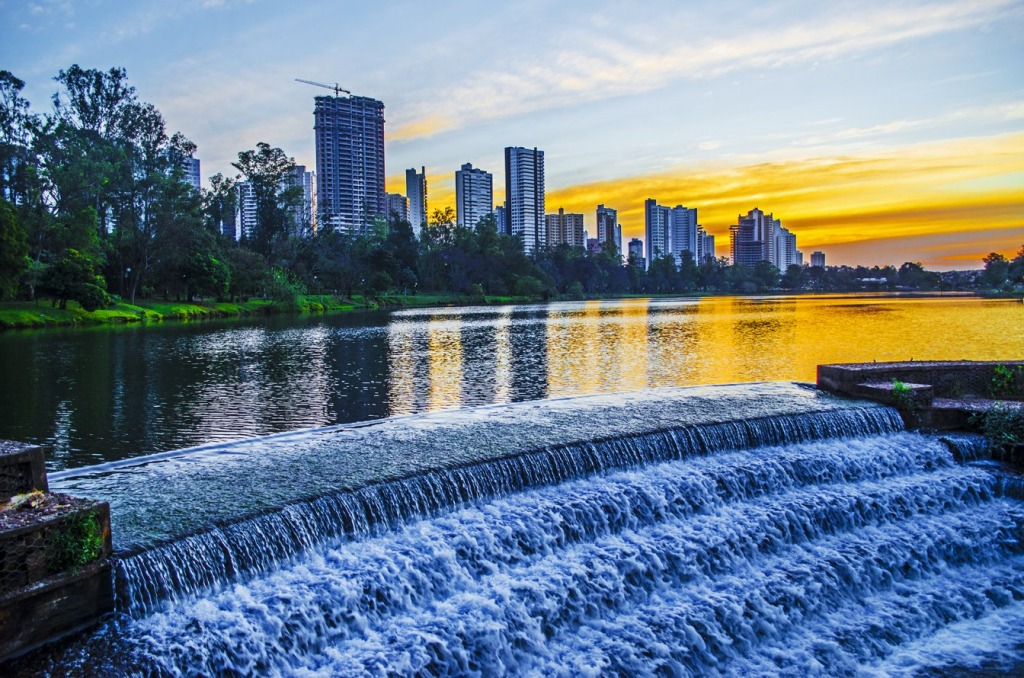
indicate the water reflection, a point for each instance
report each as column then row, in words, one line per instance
column 93, row 395
column 444, row 353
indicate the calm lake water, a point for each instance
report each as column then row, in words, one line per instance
column 100, row 394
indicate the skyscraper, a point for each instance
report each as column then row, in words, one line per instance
column 501, row 218
column 785, row 248
column 302, row 213
column 656, row 229
column 416, row 192
column 397, row 205
column 247, row 216
column 818, row 258
column 564, row 228
column 524, row 196
column 636, row 253
column 474, row 195
column 682, row 233
column 608, row 227
column 349, row 161
column 705, row 246
column 193, row 175
column 752, row 238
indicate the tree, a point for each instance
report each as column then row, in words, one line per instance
column 997, row 270
column 267, row 170
column 914, row 276
column 1016, row 272
column 73, row 278
column 16, row 125
column 794, row 278
column 765, row 275
column 219, row 204
column 13, row 251
column 105, row 150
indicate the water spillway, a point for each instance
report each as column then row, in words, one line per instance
column 747, row 530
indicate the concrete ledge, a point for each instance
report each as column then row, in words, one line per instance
column 22, row 469
column 39, row 548
column 55, row 575
column 53, row 608
column 948, row 379
column 938, row 395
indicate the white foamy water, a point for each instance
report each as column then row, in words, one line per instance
column 855, row 555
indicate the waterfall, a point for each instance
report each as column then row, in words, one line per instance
column 233, row 551
column 828, row 550
column 966, row 447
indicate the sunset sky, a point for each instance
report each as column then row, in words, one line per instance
column 879, row 132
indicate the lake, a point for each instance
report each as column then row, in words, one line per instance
column 101, row 394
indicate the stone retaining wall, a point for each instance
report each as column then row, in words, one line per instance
column 55, row 576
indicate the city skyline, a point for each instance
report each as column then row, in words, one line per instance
column 883, row 132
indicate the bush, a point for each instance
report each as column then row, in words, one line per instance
column 528, row 286
column 1003, row 427
column 285, row 291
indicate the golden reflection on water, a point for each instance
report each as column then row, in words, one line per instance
column 444, row 352
column 463, row 358
column 503, row 356
column 402, row 367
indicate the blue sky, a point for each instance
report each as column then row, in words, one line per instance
column 678, row 101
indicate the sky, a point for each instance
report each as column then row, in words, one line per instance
column 877, row 131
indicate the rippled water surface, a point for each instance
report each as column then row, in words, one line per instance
column 95, row 395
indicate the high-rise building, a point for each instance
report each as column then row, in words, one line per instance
column 785, row 252
column 246, row 209
column 818, row 258
column 760, row 237
column 636, row 253
column 474, row 195
column 416, row 191
column 349, row 161
column 303, row 212
column 565, row 228
column 192, row 173
column 608, row 226
column 752, row 238
column 397, row 205
column 524, row 196
column 682, row 232
column 501, row 218
column 656, row 229
column 705, row 246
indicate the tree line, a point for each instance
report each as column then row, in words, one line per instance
column 95, row 207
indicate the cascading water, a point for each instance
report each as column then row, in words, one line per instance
column 826, row 542
column 255, row 544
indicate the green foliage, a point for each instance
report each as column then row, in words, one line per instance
column 997, row 270
column 285, row 291
column 13, row 251
column 528, row 286
column 78, row 543
column 902, row 396
column 72, row 278
column 1003, row 427
column 267, row 170
column 1006, row 382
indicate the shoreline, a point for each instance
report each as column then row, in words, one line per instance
column 40, row 315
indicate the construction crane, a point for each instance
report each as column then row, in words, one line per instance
column 336, row 87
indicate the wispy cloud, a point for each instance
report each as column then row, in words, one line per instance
column 996, row 113
column 601, row 64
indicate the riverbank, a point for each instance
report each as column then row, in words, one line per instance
column 40, row 314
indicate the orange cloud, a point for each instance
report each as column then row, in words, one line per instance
column 970, row 187
column 420, row 128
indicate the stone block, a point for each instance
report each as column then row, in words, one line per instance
column 22, row 469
